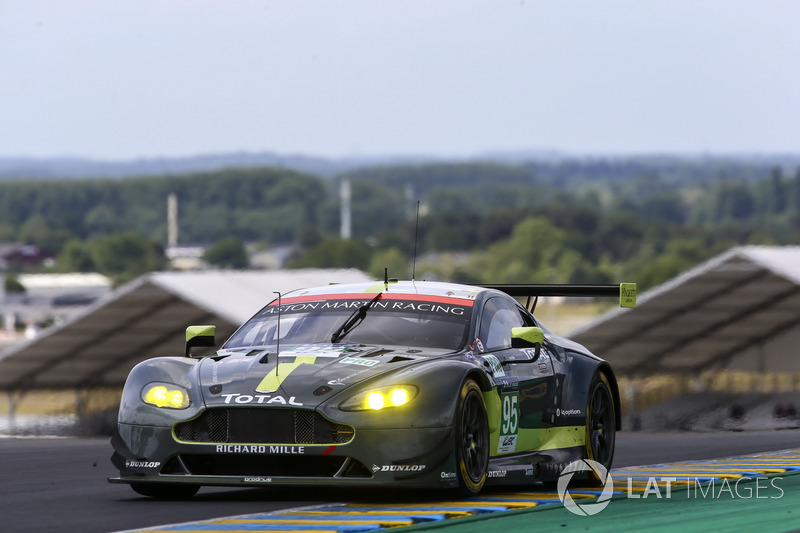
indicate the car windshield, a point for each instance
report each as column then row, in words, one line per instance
column 422, row 323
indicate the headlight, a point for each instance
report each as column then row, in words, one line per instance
column 165, row 395
column 377, row 399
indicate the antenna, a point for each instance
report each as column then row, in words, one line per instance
column 416, row 237
column 278, row 337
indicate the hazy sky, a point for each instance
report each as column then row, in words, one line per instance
column 113, row 79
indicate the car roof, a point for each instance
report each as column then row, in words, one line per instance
column 411, row 288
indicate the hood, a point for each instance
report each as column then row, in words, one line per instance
column 303, row 375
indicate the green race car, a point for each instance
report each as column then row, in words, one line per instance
column 416, row 384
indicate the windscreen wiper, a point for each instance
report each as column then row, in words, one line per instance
column 353, row 320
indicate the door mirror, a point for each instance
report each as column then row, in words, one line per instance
column 199, row 336
column 527, row 337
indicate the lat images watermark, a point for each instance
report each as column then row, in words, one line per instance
column 588, row 508
column 696, row 487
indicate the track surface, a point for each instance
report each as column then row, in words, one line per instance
column 60, row 484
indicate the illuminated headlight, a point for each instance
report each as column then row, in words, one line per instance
column 378, row 399
column 166, row 395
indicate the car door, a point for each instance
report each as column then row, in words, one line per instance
column 523, row 379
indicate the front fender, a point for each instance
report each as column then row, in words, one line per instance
column 173, row 370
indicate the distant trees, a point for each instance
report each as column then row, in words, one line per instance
column 121, row 256
column 228, row 252
column 575, row 221
column 334, row 252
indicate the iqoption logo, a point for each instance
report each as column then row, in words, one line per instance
column 589, row 508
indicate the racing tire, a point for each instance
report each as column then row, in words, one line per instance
column 166, row 491
column 471, row 428
column 601, row 425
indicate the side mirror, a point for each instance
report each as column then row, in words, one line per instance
column 528, row 337
column 199, row 336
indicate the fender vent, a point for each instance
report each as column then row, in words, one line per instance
column 248, row 425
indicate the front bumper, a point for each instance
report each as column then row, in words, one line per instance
column 420, row 457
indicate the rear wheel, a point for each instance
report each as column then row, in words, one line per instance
column 166, row 491
column 601, row 423
column 471, row 439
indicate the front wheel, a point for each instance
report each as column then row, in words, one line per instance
column 601, row 423
column 471, row 439
column 166, row 491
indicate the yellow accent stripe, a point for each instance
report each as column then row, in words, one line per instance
column 466, row 503
column 238, row 530
column 543, row 438
column 273, row 380
column 375, row 289
column 388, row 512
column 279, row 520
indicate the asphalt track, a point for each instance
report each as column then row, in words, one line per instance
column 59, row 485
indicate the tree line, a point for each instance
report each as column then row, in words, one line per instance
column 472, row 222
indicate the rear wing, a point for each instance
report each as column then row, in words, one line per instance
column 626, row 292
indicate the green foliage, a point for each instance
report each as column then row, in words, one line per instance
column 228, row 252
column 75, row 256
column 579, row 221
column 11, row 284
column 264, row 204
column 42, row 232
column 334, row 252
column 125, row 256
column 397, row 263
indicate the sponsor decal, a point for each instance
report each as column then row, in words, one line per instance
column 507, row 444
column 342, row 380
column 258, row 480
column 479, row 346
column 358, row 361
column 440, row 306
column 509, row 385
column 259, row 398
column 494, row 365
column 448, row 475
column 509, row 423
column 260, row 449
column 497, row 473
column 537, row 390
column 398, row 468
column 568, row 412
column 142, row 464
column 315, row 350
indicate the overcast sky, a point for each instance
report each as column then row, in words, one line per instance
column 120, row 79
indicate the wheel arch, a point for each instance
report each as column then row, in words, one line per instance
column 579, row 374
column 605, row 369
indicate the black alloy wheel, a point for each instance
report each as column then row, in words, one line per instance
column 472, row 439
column 601, row 425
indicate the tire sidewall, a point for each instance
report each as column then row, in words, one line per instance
column 467, row 485
column 600, row 381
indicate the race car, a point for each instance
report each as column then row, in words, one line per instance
column 395, row 383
